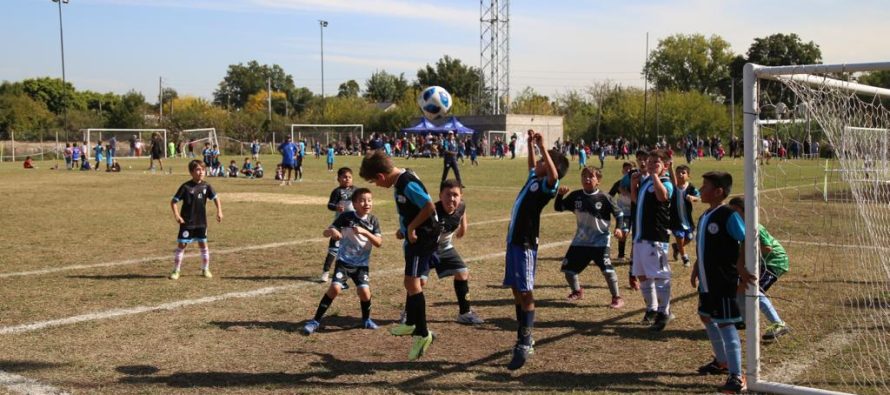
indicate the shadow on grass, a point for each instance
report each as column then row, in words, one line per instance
column 284, row 326
column 137, row 370
column 329, row 324
column 268, row 278
column 17, row 366
column 539, row 303
column 120, row 277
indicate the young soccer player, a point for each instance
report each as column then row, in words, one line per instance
column 233, row 169
column 593, row 210
column 258, row 172
column 357, row 232
column 682, row 225
column 622, row 191
column 192, row 218
column 247, row 168
column 330, row 157
column 451, row 212
column 288, row 152
column 339, row 202
column 652, row 195
column 720, row 267
column 773, row 264
column 522, row 239
column 417, row 221
column 99, row 154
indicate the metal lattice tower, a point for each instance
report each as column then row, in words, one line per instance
column 494, row 53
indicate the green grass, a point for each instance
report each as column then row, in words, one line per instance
column 57, row 218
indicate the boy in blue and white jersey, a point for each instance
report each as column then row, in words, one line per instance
column 593, row 210
column 357, row 232
column 652, row 195
column 522, row 239
column 419, row 225
column 301, row 153
column 288, row 151
column 339, row 202
column 620, row 192
column 207, row 154
column 682, row 225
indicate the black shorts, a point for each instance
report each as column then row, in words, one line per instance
column 156, row 155
column 448, row 262
column 358, row 274
column 189, row 235
column 417, row 264
column 578, row 258
column 299, row 162
column 721, row 309
column 767, row 278
column 287, row 166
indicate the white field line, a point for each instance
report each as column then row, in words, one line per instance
column 101, row 315
column 193, row 255
column 831, row 345
column 24, row 385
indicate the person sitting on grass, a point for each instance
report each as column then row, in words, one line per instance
column 258, row 172
column 29, row 163
column 233, row 169
column 247, row 168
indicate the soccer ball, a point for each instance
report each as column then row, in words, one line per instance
column 435, row 102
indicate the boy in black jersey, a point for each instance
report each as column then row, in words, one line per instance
column 339, row 202
column 522, row 239
column 682, row 225
column 594, row 211
column 418, row 223
column 192, row 218
column 718, row 274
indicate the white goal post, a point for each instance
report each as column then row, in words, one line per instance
column 203, row 135
column 104, row 134
column 325, row 133
column 835, row 105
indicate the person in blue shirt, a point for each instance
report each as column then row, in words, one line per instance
column 298, row 164
column 288, row 152
column 330, row 157
column 255, row 149
column 522, row 239
column 419, row 226
column 682, row 225
column 718, row 275
column 357, row 231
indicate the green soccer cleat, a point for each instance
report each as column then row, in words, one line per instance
column 401, row 330
column 421, row 343
column 174, row 275
column 206, row 273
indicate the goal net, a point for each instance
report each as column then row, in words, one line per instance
column 193, row 140
column 128, row 143
column 342, row 137
column 817, row 178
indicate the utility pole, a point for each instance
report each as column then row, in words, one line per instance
column 269, row 87
column 321, row 25
column 64, row 81
column 160, row 99
column 645, row 92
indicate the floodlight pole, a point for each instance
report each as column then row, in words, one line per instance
column 64, row 84
column 321, row 25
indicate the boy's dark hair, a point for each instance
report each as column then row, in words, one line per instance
column 560, row 161
column 642, row 152
column 374, row 163
column 720, row 179
column 682, row 168
column 595, row 171
column 738, row 201
column 627, row 164
column 343, row 170
column 660, row 154
column 448, row 184
column 194, row 165
column 358, row 193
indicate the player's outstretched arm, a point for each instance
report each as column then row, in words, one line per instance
column 531, row 149
column 552, row 174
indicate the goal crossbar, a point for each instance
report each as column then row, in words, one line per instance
column 87, row 133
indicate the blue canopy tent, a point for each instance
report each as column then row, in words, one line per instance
column 455, row 125
column 425, row 126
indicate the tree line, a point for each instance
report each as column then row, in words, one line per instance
column 693, row 78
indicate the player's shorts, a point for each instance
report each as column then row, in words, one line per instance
column 186, row 235
column 99, row 157
column 299, row 162
column 684, row 234
column 578, row 258
column 155, row 156
column 520, row 266
column 288, row 165
column 333, row 247
column 721, row 309
column 448, row 262
column 650, row 259
column 417, row 264
column 358, row 274
column 767, row 278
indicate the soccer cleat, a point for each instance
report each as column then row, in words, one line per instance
column 521, row 353
column 311, row 327
column 775, row 331
column 401, row 330
column 712, row 368
column 369, row 324
column 421, row 343
column 575, row 296
column 649, row 317
column 174, row 275
column 686, row 261
column 617, row 302
column 206, row 273
column 469, row 318
column 734, row 385
column 661, row 321
column 324, row 277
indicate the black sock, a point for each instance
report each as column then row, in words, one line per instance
column 462, row 288
column 366, row 310
column 409, row 310
column 328, row 260
column 520, row 317
column 419, row 306
column 525, row 327
column 621, row 248
column 323, row 307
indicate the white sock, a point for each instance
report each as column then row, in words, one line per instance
column 647, row 287
column 177, row 258
column 663, row 290
column 205, row 258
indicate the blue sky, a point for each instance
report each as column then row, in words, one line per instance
column 119, row 45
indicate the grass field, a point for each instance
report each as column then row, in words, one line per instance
column 87, row 308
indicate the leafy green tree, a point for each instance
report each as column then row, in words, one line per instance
column 531, row 102
column 49, row 91
column 241, row 81
column 385, row 87
column 130, row 113
column 23, row 115
column 876, row 78
column 689, row 63
column 774, row 50
column 348, row 89
column 580, row 115
column 460, row 80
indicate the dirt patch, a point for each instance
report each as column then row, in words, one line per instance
column 284, row 198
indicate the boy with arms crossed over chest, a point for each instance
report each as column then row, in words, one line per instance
column 192, row 218
column 418, row 223
column 522, row 239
